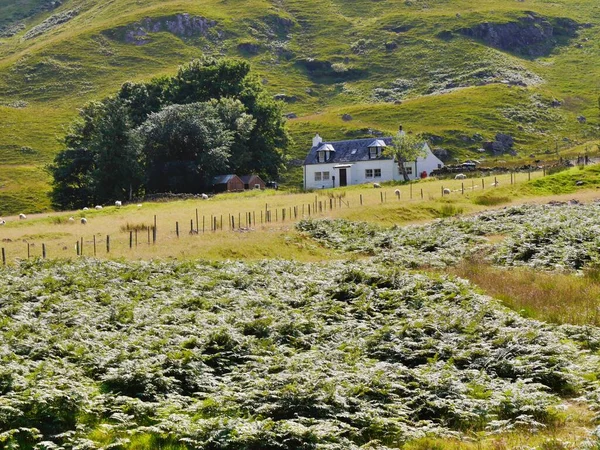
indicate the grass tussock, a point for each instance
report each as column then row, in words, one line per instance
column 126, row 228
column 552, row 297
column 491, row 200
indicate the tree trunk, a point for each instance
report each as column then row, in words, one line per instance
column 403, row 170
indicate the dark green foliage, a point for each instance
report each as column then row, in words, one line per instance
column 171, row 135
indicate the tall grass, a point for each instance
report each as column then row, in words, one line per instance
column 551, row 297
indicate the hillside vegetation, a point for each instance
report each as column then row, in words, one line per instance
column 363, row 354
column 434, row 66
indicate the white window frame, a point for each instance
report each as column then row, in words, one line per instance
column 373, row 152
column 321, row 156
column 368, row 173
column 325, row 176
column 376, row 173
column 409, row 170
column 318, row 176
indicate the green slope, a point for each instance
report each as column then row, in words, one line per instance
column 381, row 62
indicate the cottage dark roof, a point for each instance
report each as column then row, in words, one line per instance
column 347, row 151
column 223, row 179
column 246, row 178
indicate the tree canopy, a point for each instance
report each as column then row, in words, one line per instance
column 171, row 134
column 405, row 148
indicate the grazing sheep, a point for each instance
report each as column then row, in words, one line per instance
column 376, row 185
column 86, row 208
column 495, row 183
column 460, row 176
column 446, row 191
column 118, row 203
column 397, row 192
column 2, row 222
column 204, row 197
column 98, row 207
column 83, row 221
column 71, row 220
column 139, row 205
column 22, row 216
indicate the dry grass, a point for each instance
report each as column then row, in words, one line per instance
column 572, row 426
column 552, row 297
column 259, row 239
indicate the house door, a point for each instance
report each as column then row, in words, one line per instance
column 343, row 178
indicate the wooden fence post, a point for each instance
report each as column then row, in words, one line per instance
column 44, row 251
column 3, row 257
column 154, row 231
column 28, row 251
column 130, row 239
column 107, row 243
column 177, row 228
column 94, row 245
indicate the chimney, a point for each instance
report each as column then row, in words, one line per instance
column 317, row 140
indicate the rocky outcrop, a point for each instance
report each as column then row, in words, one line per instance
column 181, row 25
column 318, row 68
column 285, row 98
column 532, row 35
column 252, row 48
column 503, row 143
column 51, row 23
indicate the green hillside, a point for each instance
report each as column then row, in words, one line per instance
column 458, row 70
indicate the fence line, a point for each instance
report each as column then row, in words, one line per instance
column 282, row 215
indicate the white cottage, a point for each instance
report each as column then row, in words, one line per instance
column 343, row 163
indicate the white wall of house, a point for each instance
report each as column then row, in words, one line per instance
column 320, row 176
column 427, row 164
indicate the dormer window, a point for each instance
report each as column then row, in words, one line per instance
column 376, row 148
column 325, row 153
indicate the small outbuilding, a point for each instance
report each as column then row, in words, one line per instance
column 252, row 182
column 227, row 183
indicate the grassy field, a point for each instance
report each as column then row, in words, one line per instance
column 253, row 237
column 325, row 56
column 255, row 240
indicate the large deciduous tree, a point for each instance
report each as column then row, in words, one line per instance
column 184, row 146
column 99, row 163
column 108, row 156
column 406, row 148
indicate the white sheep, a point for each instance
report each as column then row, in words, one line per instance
column 495, row 183
column 204, row 197
column 397, row 192
column 2, row 222
column 139, row 205
column 86, row 208
column 376, row 185
column 83, row 221
column 98, row 207
column 71, row 220
column 118, row 203
column 22, row 216
column 460, row 176
column 446, row 191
